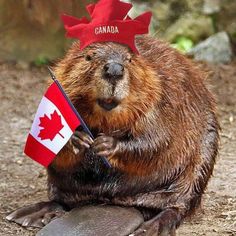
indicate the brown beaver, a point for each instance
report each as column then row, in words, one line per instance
column 152, row 118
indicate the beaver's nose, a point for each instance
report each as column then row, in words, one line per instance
column 113, row 71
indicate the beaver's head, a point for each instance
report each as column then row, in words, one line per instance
column 109, row 79
column 108, row 83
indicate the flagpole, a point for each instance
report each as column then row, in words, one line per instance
column 75, row 111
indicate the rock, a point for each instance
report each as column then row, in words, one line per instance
column 160, row 17
column 101, row 220
column 195, row 5
column 193, row 26
column 166, row 13
column 211, row 6
column 226, row 18
column 215, row 49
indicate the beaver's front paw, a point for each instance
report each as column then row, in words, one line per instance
column 80, row 141
column 105, row 145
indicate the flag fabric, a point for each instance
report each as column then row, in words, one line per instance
column 53, row 125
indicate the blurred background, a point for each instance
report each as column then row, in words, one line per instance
column 31, row 30
column 32, row 36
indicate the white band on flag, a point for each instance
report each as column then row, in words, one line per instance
column 46, row 107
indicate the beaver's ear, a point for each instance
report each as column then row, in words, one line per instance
column 128, row 57
column 74, row 51
column 76, row 45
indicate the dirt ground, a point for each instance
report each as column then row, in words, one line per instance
column 24, row 181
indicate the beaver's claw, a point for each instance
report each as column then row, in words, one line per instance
column 105, row 145
column 80, row 140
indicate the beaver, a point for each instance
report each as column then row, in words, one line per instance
column 154, row 120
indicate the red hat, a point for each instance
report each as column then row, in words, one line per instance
column 109, row 22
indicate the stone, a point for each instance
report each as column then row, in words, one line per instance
column 195, row 5
column 191, row 25
column 165, row 13
column 226, row 18
column 215, row 49
column 100, row 220
column 211, row 6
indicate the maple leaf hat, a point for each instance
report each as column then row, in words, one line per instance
column 109, row 22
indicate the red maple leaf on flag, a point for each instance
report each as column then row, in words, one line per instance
column 51, row 127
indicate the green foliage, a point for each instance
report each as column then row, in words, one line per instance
column 182, row 43
column 41, row 60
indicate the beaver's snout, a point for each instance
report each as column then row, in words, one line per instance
column 113, row 72
column 112, row 84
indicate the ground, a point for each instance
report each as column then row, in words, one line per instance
column 23, row 181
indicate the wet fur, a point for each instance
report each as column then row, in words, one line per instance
column 168, row 132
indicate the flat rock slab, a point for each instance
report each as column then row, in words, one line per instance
column 101, row 220
column 215, row 49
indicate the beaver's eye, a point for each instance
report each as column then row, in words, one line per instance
column 88, row 58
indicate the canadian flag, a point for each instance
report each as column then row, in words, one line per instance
column 53, row 125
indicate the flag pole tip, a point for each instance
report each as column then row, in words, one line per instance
column 51, row 73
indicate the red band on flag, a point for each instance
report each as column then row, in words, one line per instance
column 38, row 152
column 55, row 96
